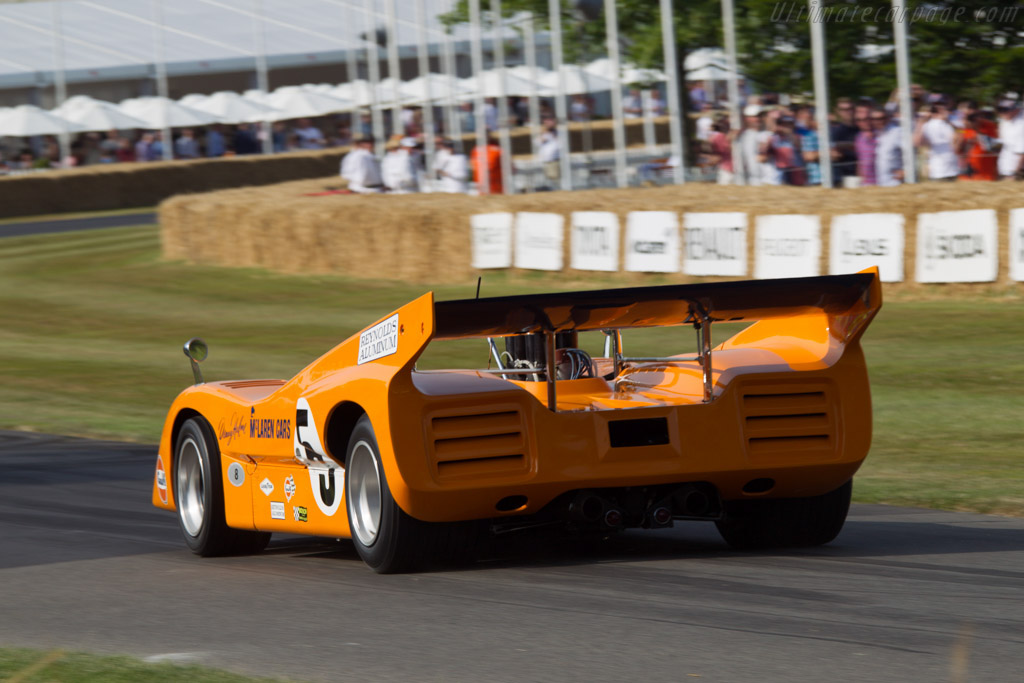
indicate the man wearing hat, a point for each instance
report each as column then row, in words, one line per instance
column 399, row 170
column 750, row 144
column 451, row 167
column 360, row 167
column 1011, row 135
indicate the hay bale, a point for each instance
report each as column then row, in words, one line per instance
column 425, row 238
column 118, row 186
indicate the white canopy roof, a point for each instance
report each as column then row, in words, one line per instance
column 111, row 39
column 297, row 102
column 26, row 120
column 99, row 115
column 230, row 107
column 360, row 92
column 161, row 112
column 488, row 84
column 577, row 81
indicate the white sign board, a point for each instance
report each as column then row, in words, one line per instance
column 492, row 240
column 595, row 240
column 715, row 243
column 787, row 246
column 539, row 240
column 862, row 240
column 378, row 341
column 957, row 246
column 652, row 242
column 1017, row 245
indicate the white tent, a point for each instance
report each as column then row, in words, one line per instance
column 161, row 112
column 389, row 90
column 258, row 96
column 230, row 107
column 72, row 103
column 191, row 100
column 100, row 115
column 707, row 64
column 441, row 87
column 577, row 81
column 360, row 92
column 26, row 120
column 523, row 71
column 634, row 75
column 488, row 84
column 629, row 73
column 294, row 103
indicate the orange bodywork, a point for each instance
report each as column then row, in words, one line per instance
column 790, row 403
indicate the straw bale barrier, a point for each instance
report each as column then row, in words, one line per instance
column 118, row 186
column 426, row 238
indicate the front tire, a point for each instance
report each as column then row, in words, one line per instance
column 386, row 538
column 786, row 522
column 199, row 496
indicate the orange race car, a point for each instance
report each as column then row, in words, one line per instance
column 760, row 434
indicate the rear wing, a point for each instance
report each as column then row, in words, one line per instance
column 849, row 302
column 742, row 301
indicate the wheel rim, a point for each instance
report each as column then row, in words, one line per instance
column 364, row 493
column 191, row 487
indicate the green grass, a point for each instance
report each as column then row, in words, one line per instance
column 80, row 214
column 33, row 666
column 93, row 324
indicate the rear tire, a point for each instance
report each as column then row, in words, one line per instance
column 786, row 522
column 199, row 496
column 386, row 538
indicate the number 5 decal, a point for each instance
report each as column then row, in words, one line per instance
column 308, row 446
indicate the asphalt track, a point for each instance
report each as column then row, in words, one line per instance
column 902, row 595
column 43, row 227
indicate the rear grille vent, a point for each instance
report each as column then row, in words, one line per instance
column 252, row 383
column 788, row 420
column 478, row 445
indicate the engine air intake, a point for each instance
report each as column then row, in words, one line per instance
column 788, row 419
column 477, row 445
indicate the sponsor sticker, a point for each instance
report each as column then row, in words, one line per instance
column 276, row 510
column 379, row 341
column 161, row 480
column 289, row 487
column 267, row 487
column 227, row 430
column 267, row 428
column 299, row 512
column 236, row 474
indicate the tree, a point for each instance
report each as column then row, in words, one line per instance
column 961, row 47
column 697, row 23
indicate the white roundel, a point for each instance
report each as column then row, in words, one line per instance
column 328, row 486
column 236, row 474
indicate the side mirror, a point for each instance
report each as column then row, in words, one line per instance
column 197, row 351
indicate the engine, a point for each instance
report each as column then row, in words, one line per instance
column 526, row 351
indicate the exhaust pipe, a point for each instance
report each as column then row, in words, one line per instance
column 586, row 507
column 690, row 501
column 660, row 517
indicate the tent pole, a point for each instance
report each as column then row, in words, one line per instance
column 555, row 19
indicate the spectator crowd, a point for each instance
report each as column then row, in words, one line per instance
column 777, row 143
